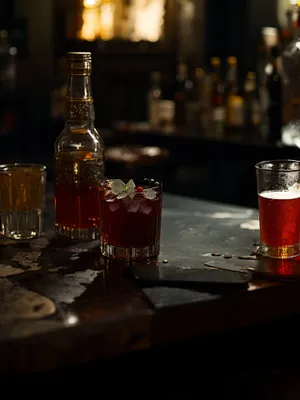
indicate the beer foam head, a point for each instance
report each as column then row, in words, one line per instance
column 282, row 195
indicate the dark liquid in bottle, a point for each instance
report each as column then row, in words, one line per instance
column 77, row 197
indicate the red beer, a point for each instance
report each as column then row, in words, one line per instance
column 279, row 215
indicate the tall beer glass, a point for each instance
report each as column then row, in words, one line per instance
column 278, row 186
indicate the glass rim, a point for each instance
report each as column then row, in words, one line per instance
column 261, row 166
column 15, row 167
column 159, row 184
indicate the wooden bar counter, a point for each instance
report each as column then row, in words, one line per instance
column 61, row 305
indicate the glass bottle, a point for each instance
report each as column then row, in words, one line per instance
column 291, row 87
column 234, row 100
column 181, row 87
column 252, row 105
column 217, row 100
column 274, row 86
column 79, row 157
column 154, row 97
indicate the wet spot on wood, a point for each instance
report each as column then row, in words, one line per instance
column 247, row 257
column 252, row 225
column 226, row 255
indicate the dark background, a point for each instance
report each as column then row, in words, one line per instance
column 43, row 31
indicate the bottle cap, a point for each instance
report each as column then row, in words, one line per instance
column 215, row 61
column 199, row 72
column 80, row 63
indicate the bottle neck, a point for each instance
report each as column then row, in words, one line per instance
column 79, row 100
column 79, row 127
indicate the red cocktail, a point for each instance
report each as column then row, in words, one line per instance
column 279, row 208
column 130, row 218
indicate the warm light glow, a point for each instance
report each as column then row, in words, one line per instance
column 91, row 24
column 107, row 21
column 146, row 20
column 91, row 3
column 104, row 19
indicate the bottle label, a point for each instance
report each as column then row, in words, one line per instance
column 166, row 110
column 219, row 114
column 235, row 111
column 256, row 113
column 154, row 109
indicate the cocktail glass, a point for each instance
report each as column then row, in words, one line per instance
column 130, row 219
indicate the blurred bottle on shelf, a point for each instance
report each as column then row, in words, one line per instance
column 269, row 38
column 291, row 86
column 183, row 90
column 217, row 110
column 274, row 85
column 196, row 107
column 8, row 85
column 160, row 104
column 154, row 98
column 252, row 106
column 8, row 63
column 59, row 92
column 234, row 100
column 288, row 32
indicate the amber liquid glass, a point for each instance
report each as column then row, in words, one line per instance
column 22, row 200
column 278, row 184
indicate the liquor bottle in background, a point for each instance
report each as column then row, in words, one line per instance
column 154, row 97
column 269, row 38
column 234, row 101
column 195, row 100
column 287, row 34
column 8, row 77
column 252, row 105
column 217, row 100
column 79, row 157
column 202, row 94
column 232, row 76
column 291, row 86
column 274, row 85
column 182, row 86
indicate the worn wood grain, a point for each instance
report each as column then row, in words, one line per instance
column 100, row 311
